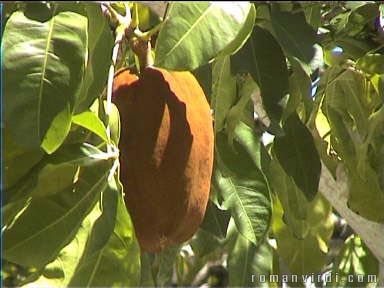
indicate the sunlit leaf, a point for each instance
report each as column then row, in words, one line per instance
column 49, row 223
column 90, row 121
column 243, row 188
column 43, row 67
column 195, row 33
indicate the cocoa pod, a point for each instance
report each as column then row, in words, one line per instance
column 166, row 153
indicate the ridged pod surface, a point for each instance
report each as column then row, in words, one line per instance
column 166, row 153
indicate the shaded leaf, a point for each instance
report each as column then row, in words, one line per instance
column 216, row 221
column 204, row 243
column 371, row 63
column 298, row 156
column 294, row 34
column 248, row 262
column 163, row 265
column 263, row 58
column 294, row 204
column 312, row 11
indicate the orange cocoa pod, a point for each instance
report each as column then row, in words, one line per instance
column 166, row 153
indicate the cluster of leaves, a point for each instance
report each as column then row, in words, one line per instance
column 266, row 68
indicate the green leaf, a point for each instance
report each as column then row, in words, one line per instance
column 49, row 223
column 300, row 90
column 263, row 58
column 146, row 279
column 223, row 91
column 248, row 262
column 243, row 188
column 43, row 66
column 297, row 154
column 163, row 265
column 304, row 256
column 354, row 48
column 109, row 246
column 355, row 265
column 243, row 35
column 195, row 33
column 99, row 57
column 366, row 197
column 82, row 154
column 17, row 161
column 204, row 243
column 294, row 34
column 97, row 255
column 216, row 221
column 294, row 204
column 90, row 121
column 243, row 110
column 371, row 63
column 312, row 11
column 114, row 118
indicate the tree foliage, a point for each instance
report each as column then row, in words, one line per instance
column 296, row 88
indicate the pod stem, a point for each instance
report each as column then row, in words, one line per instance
column 140, row 44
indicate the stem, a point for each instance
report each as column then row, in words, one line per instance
column 142, row 48
column 111, row 73
column 124, row 23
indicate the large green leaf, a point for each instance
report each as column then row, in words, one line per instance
column 293, row 32
column 97, row 255
column 49, row 223
column 99, row 56
column 248, row 264
column 43, row 66
column 297, row 154
column 263, row 58
column 223, row 91
column 312, row 11
column 242, row 186
column 195, row 33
